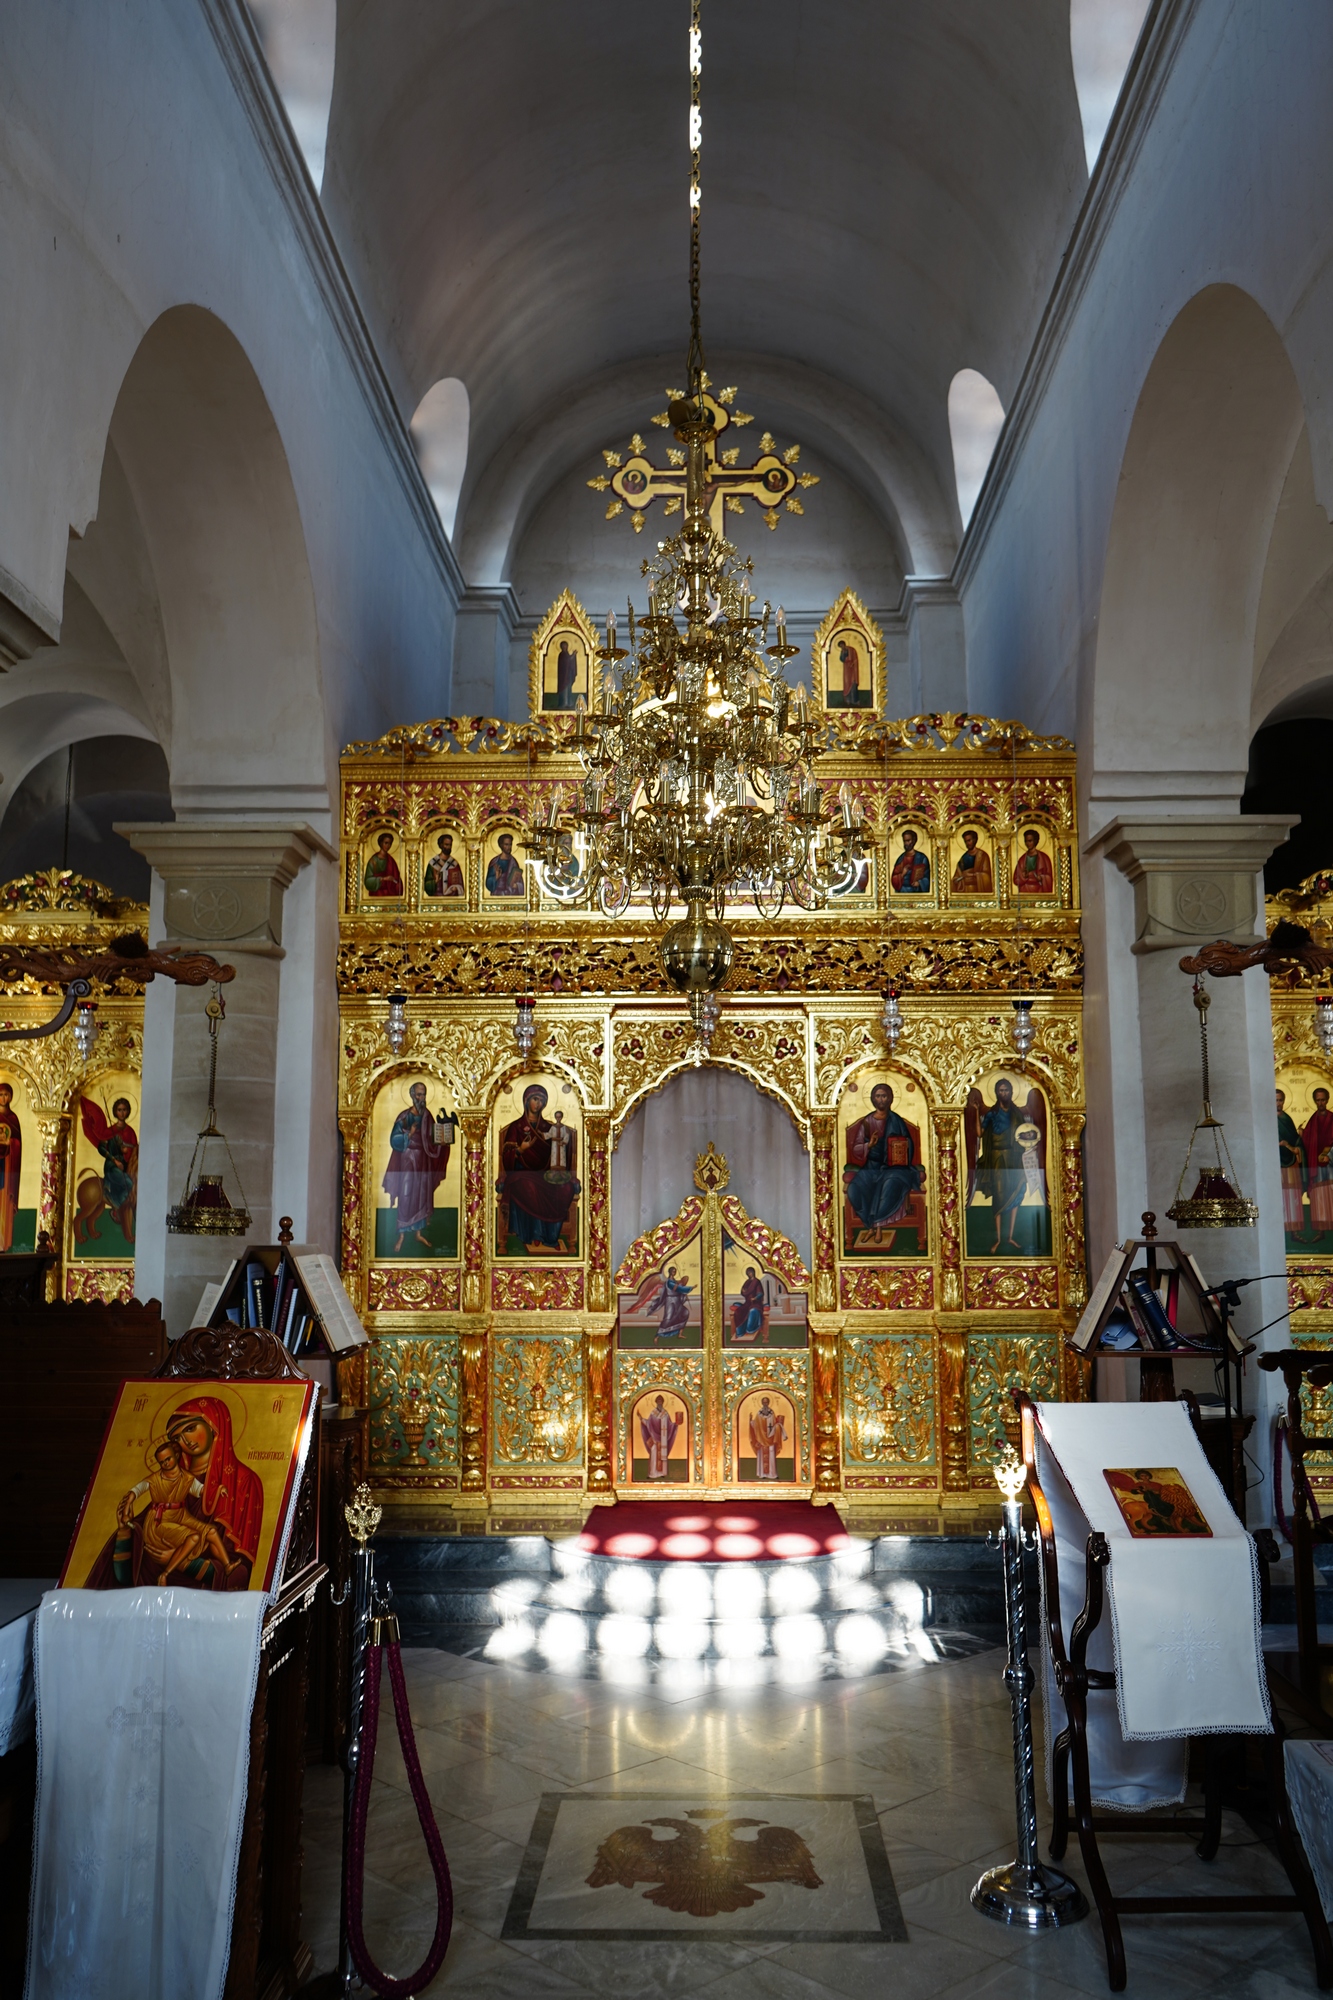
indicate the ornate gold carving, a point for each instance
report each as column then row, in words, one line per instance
column 353, row 1260
column 997, row 1287
column 647, row 1251
column 99, row 1284
column 604, row 1021
column 580, row 1046
column 1073, row 1256
column 466, row 1055
column 824, row 1380
column 60, row 892
column 1310, row 1294
column 789, row 1372
column 414, row 1398
column 889, row 1397
column 711, row 1171
column 777, row 1251
column 947, row 1135
column 596, row 1134
column 999, row 1363
column 952, row 1376
column 414, row 1288
column 674, row 1374
column 472, row 1412
column 536, row 1383
column 475, row 1126
column 886, row 1287
column 537, row 1288
column 597, row 1368
column 839, row 1046
column 822, row 1131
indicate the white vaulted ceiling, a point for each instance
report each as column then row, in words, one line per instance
column 888, row 185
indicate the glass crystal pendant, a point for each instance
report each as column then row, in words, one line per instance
column 395, row 1024
column 85, row 1027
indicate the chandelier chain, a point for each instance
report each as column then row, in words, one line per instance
column 694, row 364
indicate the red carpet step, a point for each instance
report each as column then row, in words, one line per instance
column 713, row 1531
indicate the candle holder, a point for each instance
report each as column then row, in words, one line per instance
column 1023, row 1891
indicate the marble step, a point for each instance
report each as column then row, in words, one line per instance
column 892, row 1600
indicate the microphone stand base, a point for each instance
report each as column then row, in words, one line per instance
column 1036, row 1899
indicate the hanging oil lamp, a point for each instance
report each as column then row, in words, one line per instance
column 1216, row 1202
column 205, row 1209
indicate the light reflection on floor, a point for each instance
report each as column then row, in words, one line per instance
column 690, row 1626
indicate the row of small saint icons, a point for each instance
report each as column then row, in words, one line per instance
column 973, row 874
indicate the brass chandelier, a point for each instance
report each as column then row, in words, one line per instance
column 698, row 757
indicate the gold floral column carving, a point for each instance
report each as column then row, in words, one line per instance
column 947, row 1127
column 354, row 1259
column 825, row 1360
column 476, row 1125
column 473, row 1372
column 953, row 1405
column 597, row 1132
column 597, row 1353
column 822, row 1129
column 53, row 1134
column 1073, row 1254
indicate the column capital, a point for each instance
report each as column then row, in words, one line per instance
column 224, row 877
column 1195, row 877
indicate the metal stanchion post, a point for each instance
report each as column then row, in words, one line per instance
column 363, row 1518
column 1022, row 1891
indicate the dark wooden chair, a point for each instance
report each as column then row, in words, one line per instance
column 1076, row 1682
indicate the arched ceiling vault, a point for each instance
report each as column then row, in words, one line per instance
column 888, row 185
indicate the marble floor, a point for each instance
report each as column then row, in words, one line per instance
column 509, row 1755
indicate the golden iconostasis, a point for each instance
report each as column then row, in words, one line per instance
column 69, row 1127
column 513, row 1364
column 1303, row 1135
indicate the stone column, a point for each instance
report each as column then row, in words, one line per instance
column 1157, row 886
column 823, row 1127
column 223, row 883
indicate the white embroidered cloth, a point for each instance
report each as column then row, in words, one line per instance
column 143, row 1737
column 1183, row 1613
column 19, row 1597
column 1310, row 1789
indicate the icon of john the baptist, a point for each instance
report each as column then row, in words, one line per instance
column 201, row 1512
column 538, row 1181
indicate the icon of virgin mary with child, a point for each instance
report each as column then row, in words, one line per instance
column 194, row 1519
column 538, row 1181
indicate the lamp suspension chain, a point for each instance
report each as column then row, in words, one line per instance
column 695, row 359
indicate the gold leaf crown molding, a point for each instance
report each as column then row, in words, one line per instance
column 933, row 734
column 60, row 892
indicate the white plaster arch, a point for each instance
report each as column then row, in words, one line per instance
column 1212, row 437
column 213, row 492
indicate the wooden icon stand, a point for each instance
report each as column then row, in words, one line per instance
column 1076, row 1680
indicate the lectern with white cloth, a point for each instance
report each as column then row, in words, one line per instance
column 1132, row 1519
